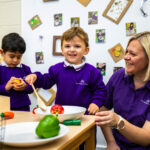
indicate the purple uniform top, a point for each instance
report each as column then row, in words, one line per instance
column 131, row 104
column 78, row 87
column 18, row 99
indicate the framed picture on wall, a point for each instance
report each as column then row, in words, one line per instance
column 48, row 96
column 34, row 22
column 116, row 9
column 57, row 45
column 117, row 52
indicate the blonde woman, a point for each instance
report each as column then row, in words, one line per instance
column 128, row 126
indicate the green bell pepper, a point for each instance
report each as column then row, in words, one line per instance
column 48, row 127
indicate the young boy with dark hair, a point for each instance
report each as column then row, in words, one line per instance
column 12, row 72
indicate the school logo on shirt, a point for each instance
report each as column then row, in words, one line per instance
column 82, row 82
column 147, row 102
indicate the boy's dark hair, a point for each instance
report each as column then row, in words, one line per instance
column 13, row 42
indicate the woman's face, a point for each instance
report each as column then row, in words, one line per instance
column 135, row 59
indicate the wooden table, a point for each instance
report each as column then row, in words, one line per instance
column 71, row 141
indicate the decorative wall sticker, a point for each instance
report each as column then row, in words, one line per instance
column 100, row 35
column 116, row 69
column 130, row 28
column 117, row 52
column 75, row 22
column 34, row 22
column 39, row 58
column 57, row 19
column 116, row 9
column 102, row 68
column 93, row 17
column 84, row 2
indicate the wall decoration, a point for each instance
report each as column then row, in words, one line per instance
column 49, row 0
column 117, row 52
column 116, row 69
column 100, row 35
column 57, row 46
column 75, row 22
column 142, row 8
column 93, row 17
column 130, row 28
column 57, row 19
column 102, row 68
column 116, row 9
column 84, row 2
column 48, row 96
column 39, row 58
column 34, row 22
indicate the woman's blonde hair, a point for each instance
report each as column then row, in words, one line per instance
column 75, row 31
column 144, row 39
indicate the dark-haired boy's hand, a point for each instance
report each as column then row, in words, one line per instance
column 20, row 86
column 93, row 108
column 10, row 83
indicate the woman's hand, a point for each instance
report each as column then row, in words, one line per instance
column 106, row 118
column 31, row 78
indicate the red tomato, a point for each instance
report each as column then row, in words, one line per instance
column 57, row 109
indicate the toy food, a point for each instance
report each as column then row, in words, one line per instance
column 57, row 109
column 48, row 127
column 33, row 111
column 17, row 81
column 7, row 115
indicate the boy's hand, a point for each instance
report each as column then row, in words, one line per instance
column 31, row 78
column 93, row 108
column 10, row 84
column 19, row 84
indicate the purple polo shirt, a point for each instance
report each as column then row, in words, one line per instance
column 131, row 104
column 78, row 87
column 18, row 99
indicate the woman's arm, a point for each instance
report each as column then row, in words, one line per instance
column 131, row 132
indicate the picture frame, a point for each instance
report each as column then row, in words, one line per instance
column 57, row 45
column 116, row 9
column 117, row 52
column 84, row 2
column 34, row 22
column 48, row 96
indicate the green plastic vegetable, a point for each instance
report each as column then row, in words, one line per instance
column 48, row 127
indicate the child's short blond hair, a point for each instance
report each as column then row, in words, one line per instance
column 75, row 31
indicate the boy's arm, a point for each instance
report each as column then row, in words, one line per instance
column 107, row 132
column 111, row 143
column 3, row 90
column 98, row 88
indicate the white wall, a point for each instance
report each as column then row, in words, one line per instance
column 10, row 17
column 72, row 8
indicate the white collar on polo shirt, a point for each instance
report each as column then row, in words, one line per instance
column 76, row 67
column 3, row 63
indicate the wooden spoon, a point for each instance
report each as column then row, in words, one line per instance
column 39, row 100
